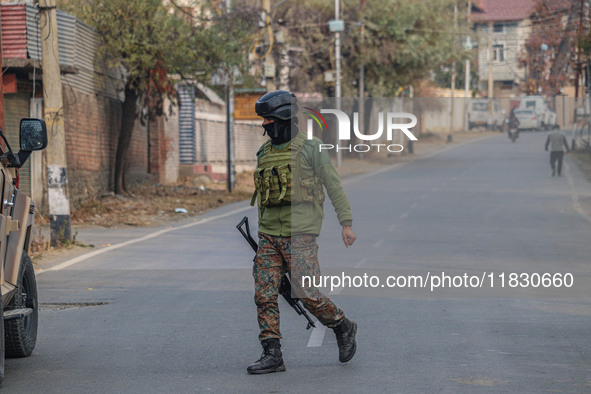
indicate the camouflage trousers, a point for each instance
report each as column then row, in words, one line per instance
column 297, row 255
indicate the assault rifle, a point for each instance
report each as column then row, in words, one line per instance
column 285, row 286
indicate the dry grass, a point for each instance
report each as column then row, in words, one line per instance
column 582, row 159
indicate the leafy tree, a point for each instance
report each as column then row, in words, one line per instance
column 548, row 50
column 443, row 75
column 155, row 45
column 400, row 43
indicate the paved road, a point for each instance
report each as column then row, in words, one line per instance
column 172, row 311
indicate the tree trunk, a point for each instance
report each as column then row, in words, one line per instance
column 128, row 117
column 560, row 66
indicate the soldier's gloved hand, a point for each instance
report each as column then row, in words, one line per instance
column 348, row 236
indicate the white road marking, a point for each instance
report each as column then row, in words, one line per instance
column 155, row 234
column 317, row 336
column 573, row 193
column 359, row 264
column 379, row 243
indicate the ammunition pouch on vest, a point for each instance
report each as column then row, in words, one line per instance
column 277, row 179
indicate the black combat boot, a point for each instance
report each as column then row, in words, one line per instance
column 271, row 360
column 345, row 333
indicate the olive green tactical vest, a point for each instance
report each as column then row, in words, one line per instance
column 277, row 183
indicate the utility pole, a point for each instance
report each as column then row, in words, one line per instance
column 337, row 50
column 269, row 65
column 362, row 72
column 579, row 66
column 230, row 120
column 467, row 72
column 453, row 86
column 469, row 46
column 490, row 63
column 491, row 85
column 57, row 178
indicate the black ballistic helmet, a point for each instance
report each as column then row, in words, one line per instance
column 279, row 104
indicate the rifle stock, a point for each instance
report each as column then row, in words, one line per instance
column 285, row 288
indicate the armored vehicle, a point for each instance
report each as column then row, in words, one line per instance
column 18, row 303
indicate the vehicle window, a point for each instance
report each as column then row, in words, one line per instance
column 530, row 104
column 480, row 106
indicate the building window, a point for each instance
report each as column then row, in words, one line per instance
column 498, row 52
column 498, row 28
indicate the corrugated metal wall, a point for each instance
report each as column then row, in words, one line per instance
column 33, row 32
column 78, row 44
column 187, row 152
column 66, row 27
column 14, row 38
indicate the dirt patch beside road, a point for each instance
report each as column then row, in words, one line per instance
column 582, row 159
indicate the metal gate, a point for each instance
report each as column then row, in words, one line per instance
column 187, row 151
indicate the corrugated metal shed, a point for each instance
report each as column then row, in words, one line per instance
column 14, row 33
column 66, row 27
column 84, row 45
column 78, row 45
column 187, row 151
column 33, row 32
column 66, row 35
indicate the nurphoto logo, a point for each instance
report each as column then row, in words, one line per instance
column 391, row 119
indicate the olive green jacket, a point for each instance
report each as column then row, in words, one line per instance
column 306, row 218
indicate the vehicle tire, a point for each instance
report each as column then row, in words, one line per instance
column 1, row 342
column 21, row 334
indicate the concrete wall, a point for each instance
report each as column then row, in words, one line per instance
column 210, row 142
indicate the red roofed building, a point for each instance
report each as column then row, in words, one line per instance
column 501, row 27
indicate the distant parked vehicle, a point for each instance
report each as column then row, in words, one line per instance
column 486, row 112
column 528, row 119
column 545, row 117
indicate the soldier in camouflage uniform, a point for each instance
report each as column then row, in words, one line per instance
column 290, row 179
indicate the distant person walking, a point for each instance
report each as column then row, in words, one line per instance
column 557, row 142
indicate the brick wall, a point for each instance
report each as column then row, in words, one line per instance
column 91, row 126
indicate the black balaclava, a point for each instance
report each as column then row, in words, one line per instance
column 281, row 131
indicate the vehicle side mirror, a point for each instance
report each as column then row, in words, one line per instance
column 33, row 134
column 503, row 112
